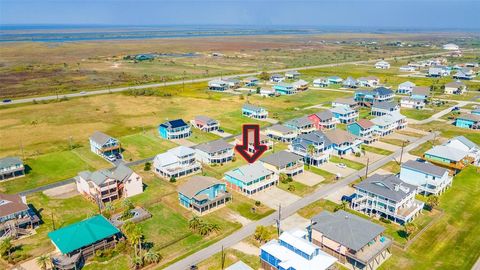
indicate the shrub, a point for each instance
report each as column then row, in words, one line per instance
column 385, row 220
column 147, row 166
column 173, row 179
column 258, row 203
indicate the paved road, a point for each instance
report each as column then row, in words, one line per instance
column 145, row 86
column 439, row 114
column 321, row 193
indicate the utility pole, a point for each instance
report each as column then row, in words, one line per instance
column 21, row 149
column 434, row 138
column 223, row 258
column 278, row 219
column 53, row 222
column 366, row 169
column 184, row 73
column 401, row 153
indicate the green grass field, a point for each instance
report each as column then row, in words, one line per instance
column 452, row 242
column 350, row 163
column 144, row 145
column 376, row 150
column 201, row 137
column 450, row 131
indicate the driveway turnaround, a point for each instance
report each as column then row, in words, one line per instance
column 333, row 168
column 308, row 178
column 273, row 197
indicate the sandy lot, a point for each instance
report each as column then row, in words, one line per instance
column 386, row 146
column 333, row 168
column 336, row 196
column 294, row 221
column 184, row 142
column 401, row 137
column 308, row 178
column 419, row 131
column 247, row 248
column 274, row 197
column 62, row 192
column 368, row 156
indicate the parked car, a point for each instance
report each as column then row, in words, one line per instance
column 7, row 100
column 341, row 165
column 111, row 158
column 83, row 93
column 118, row 156
column 221, row 131
column 455, row 109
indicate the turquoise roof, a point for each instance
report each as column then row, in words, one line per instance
column 83, row 233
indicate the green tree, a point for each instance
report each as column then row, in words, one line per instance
column 194, row 223
column 264, row 76
column 261, row 234
column 409, row 228
column 311, row 152
column 147, row 166
column 6, row 247
column 151, row 257
column 43, row 261
column 173, row 179
column 283, row 178
column 433, row 201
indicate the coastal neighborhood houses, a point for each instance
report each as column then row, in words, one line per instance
column 255, row 112
column 205, row 123
column 11, row 167
column 174, row 129
column 251, row 178
column 177, row 162
column 104, row 145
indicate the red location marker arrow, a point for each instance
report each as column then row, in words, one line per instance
column 258, row 149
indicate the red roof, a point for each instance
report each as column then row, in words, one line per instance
column 364, row 123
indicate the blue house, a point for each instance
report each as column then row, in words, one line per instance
column 334, row 80
column 255, row 112
column 350, row 83
column 314, row 147
column 293, row 251
column 251, row 178
column 364, row 129
column 284, row 88
column 343, row 143
column 471, row 121
column 420, row 93
column 344, row 115
column 203, row 194
column 104, row 145
column 250, row 81
column 174, row 129
column 476, row 111
column 368, row 97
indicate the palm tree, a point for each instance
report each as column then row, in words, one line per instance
column 6, row 246
column 152, row 257
column 136, row 239
column 310, row 151
column 136, row 262
column 432, row 201
column 283, row 178
column 43, row 261
column 194, row 223
column 409, row 228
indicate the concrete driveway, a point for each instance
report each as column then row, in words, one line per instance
column 414, row 130
column 336, row 196
column 333, row 168
column 368, row 156
column 184, row 142
column 221, row 134
column 308, row 178
column 294, row 221
column 386, row 146
column 273, row 197
column 401, row 137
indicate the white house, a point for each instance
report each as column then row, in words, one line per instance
column 405, row 87
column 427, row 177
column 455, row 88
column 464, row 144
column 407, row 68
column 382, row 65
column 412, row 103
column 176, row 163
column 451, row 47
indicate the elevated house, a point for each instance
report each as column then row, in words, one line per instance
column 407, row 68
column 218, row 85
column 276, row 78
column 388, row 123
column 334, row 80
column 176, row 163
column 323, row 120
column 253, row 111
column 448, row 157
column 284, row 88
column 205, row 123
column 15, row 216
column 300, row 85
column 344, row 115
column 475, row 111
column 265, row 140
column 232, row 83
column 471, row 121
column 104, row 145
column 301, row 125
column 81, row 240
column 285, row 162
column 382, row 108
column 251, row 178
column 109, row 184
column 11, row 167
column 420, row 93
column 267, row 92
column 239, row 265
column 370, row 81
column 174, row 129
column 281, row 133
column 203, row 194
column 364, row 129
column 368, row 97
column 382, row 65
column 293, row 251
column 346, row 102
column 314, row 147
column 251, row 81
column 214, row 152
column 320, row 82
column 408, row 102
column 343, row 143
column 463, row 144
column 387, row 196
column 350, row 83
column 427, row 177
column 405, row 88
column 455, row 88
column 464, row 74
column 438, row 71
column 292, row 75
column 451, row 47
column 356, row 242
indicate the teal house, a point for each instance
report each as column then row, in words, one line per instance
column 203, row 194
column 471, row 121
column 174, row 129
column 284, row 88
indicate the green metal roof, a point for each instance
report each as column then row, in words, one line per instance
column 83, row 233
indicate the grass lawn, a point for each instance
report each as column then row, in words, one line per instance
column 409, row 133
column 121, row 262
column 201, row 137
column 396, row 142
column 424, row 114
column 46, row 169
column 450, row 131
column 351, row 164
column 313, row 209
column 217, row 171
column 92, row 159
column 243, row 206
column 392, row 166
column 422, row 148
column 376, row 150
column 231, row 256
column 144, row 145
column 453, row 241
column 329, row 177
column 298, row 188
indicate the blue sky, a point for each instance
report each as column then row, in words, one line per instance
column 430, row 14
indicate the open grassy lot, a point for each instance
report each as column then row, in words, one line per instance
column 46, row 169
column 450, row 131
column 329, row 177
column 243, row 206
column 376, row 150
column 231, row 256
column 350, row 163
column 421, row 149
column 201, row 137
column 144, row 145
column 396, row 142
column 296, row 188
column 453, row 242
column 392, row 166
column 425, row 113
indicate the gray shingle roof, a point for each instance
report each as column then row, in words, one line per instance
column 100, row 138
column 281, row 159
column 214, row 146
column 339, row 136
column 346, row 229
column 421, row 90
column 281, row 128
column 249, row 172
column 196, row 184
column 252, row 107
column 447, row 152
column 470, row 117
column 119, row 173
column 205, row 119
column 324, row 115
column 388, row 186
column 299, row 122
column 9, row 161
column 425, row 167
column 385, row 105
column 316, row 137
